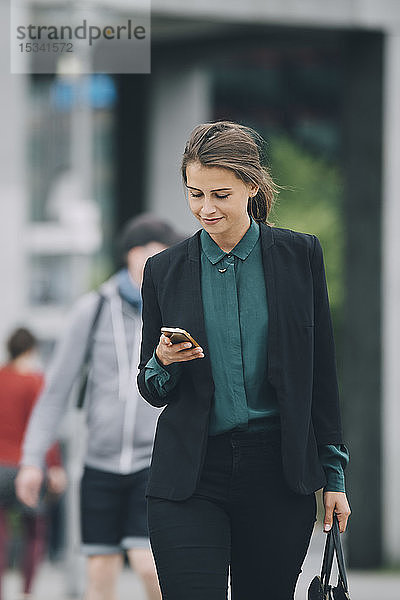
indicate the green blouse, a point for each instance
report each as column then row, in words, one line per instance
column 243, row 397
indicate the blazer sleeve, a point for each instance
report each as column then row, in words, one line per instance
column 325, row 402
column 152, row 323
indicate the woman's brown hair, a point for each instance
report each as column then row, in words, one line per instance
column 241, row 149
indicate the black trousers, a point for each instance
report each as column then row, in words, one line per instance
column 242, row 516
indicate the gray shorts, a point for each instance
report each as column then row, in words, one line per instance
column 113, row 511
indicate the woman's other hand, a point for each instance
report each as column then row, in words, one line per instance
column 336, row 502
column 168, row 353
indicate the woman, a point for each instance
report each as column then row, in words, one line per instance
column 251, row 426
column 20, row 385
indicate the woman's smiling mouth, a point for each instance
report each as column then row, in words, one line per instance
column 211, row 220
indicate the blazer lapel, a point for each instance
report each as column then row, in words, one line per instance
column 267, row 246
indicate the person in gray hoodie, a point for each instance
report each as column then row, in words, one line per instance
column 120, row 425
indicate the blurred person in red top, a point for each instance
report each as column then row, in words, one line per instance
column 20, row 385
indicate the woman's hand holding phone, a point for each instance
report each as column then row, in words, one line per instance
column 168, row 353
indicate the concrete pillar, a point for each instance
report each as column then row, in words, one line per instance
column 391, row 302
column 180, row 100
column 361, row 368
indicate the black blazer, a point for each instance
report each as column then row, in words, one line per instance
column 301, row 360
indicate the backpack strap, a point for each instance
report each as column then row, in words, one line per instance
column 88, row 354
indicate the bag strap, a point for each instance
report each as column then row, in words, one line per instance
column 339, row 553
column 88, row 351
column 327, row 562
column 333, row 546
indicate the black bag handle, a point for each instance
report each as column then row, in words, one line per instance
column 327, row 562
column 339, row 554
column 88, row 354
column 333, row 546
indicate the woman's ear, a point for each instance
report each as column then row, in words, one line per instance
column 253, row 189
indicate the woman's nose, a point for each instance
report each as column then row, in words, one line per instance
column 208, row 207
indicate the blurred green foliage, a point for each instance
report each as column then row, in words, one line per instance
column 310, row 201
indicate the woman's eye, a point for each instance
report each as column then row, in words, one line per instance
column 192, row 195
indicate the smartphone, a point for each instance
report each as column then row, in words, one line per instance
column 177, row 335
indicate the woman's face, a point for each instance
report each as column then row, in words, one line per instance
column 218, row 199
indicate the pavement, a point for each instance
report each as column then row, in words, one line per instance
column 53, row 581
